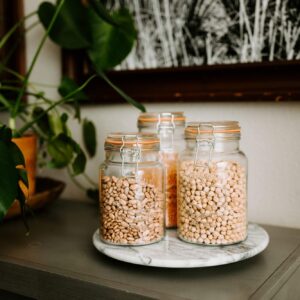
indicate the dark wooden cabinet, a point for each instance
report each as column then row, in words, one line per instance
column 58, row 261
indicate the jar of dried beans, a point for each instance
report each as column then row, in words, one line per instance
column 170, row 129
column 212, row 185
column 131, row 190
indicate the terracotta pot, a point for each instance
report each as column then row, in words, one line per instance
column 28, row 146
column 47, row 191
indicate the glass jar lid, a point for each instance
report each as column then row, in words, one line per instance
column 154, row 119
column 217, row 129
column 144, row 141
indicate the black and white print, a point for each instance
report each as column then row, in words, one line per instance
column 174, row 33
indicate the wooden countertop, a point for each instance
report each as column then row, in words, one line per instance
column 59, row 261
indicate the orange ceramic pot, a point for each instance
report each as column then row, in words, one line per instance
column 28, row 146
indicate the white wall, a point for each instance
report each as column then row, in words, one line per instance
column 270, row 138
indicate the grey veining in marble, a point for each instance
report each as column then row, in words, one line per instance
column 174, row 253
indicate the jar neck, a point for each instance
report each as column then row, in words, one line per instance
column 169, row 137
column 177, row 132
column 145, row 156
column 219, row 145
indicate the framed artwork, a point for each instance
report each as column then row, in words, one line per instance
column 205, row 50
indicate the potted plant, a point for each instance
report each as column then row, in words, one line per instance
column 107, row 39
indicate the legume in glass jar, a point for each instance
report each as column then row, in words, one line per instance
column 212, row 185
column 131, row 190
column 169, row 126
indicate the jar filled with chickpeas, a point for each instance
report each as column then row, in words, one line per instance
column 131, row 190
column 169, row 126
column 212, row 185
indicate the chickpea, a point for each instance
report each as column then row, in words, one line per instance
column 217, row 211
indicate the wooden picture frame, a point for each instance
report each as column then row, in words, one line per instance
column 10, row 13
column 267, row 81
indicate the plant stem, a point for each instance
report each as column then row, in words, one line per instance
column 16, row 44
column 75, row 181
column 36, row 95
column 5, row 103
column 14, row 28
column 89, row 180
column 65, row 99
column 18, row 101
column 10, row 71
column 12, row 123
column 32, row 26
column 43, row 84
column 131, row 101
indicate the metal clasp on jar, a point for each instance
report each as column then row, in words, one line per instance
column 165, row 130
column 203, row 142
column 130, row 155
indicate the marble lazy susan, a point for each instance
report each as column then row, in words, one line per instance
column 174, row 253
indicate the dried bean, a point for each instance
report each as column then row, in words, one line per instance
column 127, row 217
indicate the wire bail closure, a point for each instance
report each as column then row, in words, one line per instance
column 166, row 131
column 209, row 141
column 130, row 155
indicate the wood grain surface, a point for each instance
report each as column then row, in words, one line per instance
column 58, row 261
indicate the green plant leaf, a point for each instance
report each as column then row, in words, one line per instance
column 101, row 11
column 64, row 117
column 67, row 86
column 70, row 30
column 16, row 154
column 42, row 120
column 60, row 151
column 89, row 137
column 73, row 144
column 76, row 107
column 5, row 134
column 23, row 176
column 111, row 44
column 79, row 164
column 8, row 179
column 56, row 124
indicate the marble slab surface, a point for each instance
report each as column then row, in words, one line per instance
column 174, row 253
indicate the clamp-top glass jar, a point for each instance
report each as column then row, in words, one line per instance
column 131, row 190
column 212, row 185
column 169, row 126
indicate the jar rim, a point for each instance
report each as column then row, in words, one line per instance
column 219, row 129
column 117, row 140
column 150, row 119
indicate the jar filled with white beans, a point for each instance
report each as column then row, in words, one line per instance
column 131, row 190
column 212, row 185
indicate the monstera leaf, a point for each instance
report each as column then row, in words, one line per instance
column 111, row 43
column 71, row 29
column 11, row 157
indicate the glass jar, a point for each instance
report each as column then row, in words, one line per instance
column 170, row 129
column 212, row 185
column 131, row 190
